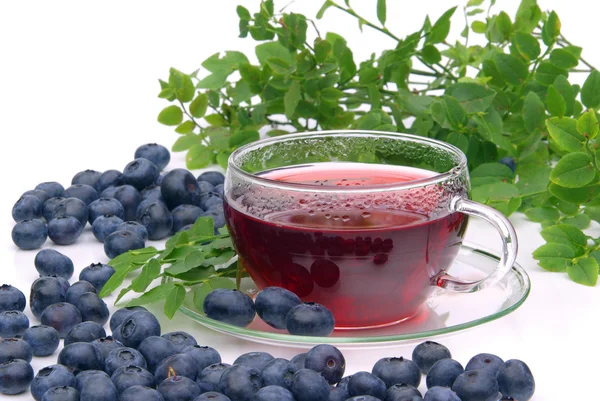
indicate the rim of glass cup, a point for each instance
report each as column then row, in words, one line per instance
column 435, row 179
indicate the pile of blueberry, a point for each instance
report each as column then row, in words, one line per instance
column 276, row 306
column 124, row 208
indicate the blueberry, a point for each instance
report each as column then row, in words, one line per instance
column 310, row 319
column 299, row 361
column 273, row 305
column 152, row 193
column 205, row 186
column 184, row 215
column 85, row 332
column 140, row 173
column 104, row 346
column 128, row 196
column 182, row 364
column 132, row 375
column 78, row 289
column 344, row 383
column 180, row 340
column 511, row 163
column 137, row 327
column 240, row 382
column 229, row 306
column 97, row 274
column 109, row 178
column 51, row 376
column 62, row 393
column 159, row 180
column 87, row 177
column 52, row 188
column 29, row 234
column 396, row 371
column 120, row 315
column 401, row 392
column 328, row 361
column 324, row 273
column 123, row 357
column 365, row 383
column 437, row 393
column 13, row 323
column 11, row 298
column 178, row 388
column 89, row 376
column 155, row 349
column 214, row 177
column 15, row 376
column 516, row 380
column 93, row 309
column 79, row 357
column 308, row 385
column 84, row 193
column 45, row 291
column 49, row 262
column 43, row 340
column 105, row 206
column 105, row 225
column 364, row 398
column 256, row 360
column 443, row 373
column 64, row 283
column 338, row 394
column 220, row 190
column 212, row 396
column 26, row 208
column 157, row 219
column 64, row 230
column 476, row 385
column 217, row 214
column 116, row 334
column 209, row 378
column 135, row 227
column 120, row 242
column 278, row 372
column 273, row 393
column 204, row 356
column 62, row 316
column 179, row 187
column 488, row 362
column 141, row 393
column 72, row 207
column 15, row 348
column 157, row 154
column 49, row 207
column 210, row 199
column 41, row 195
column 428, row 353
column 99, row 388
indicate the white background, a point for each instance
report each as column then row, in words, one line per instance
column 78, row 86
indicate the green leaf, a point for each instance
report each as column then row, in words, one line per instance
column 213, row 81
column 381, row 11
column 201, row 292
column 511, row 68
column 473, row 97
column 167, row 93
column 528, row 16
column 292, row 98
column 243, row 12
column 431, row 54
column 564, row 234
column 590, row 92
column 199, row 105
column 502, row 196
column 488, row 173
column 562, row 85
column 489, row 126
column 322, row 50
column 547, row 73
column 170, row 115
column 584, row 271
column 186, row 127
column 563, row 59
column 540, row 214
column 115, row 281
column 554, row 256
column 149, row 272
column 154, row 295
column 575, row 195
column 551, row 29
column 555, row 102
column 564, row 132
column 499, row 28
column 324, row 8
column 474, row 3
column 199, row 156
column 241, row 138
column 574, row 170
column 534, row 112
column 273, row 50
column 455, row 113
column 174, row 300
column 587, row 124
column 581, row 221
column 478, row 26
column 185, row 142
column 527, row 46
column 219, row 137
column 441, row 28
column 215, row 120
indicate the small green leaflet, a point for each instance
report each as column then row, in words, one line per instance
column 587, row 124
column 590, row 92
column 149, row 272
column 541, row 214
column 174, row 300
column 564, row 132
column 555, row 102
column 574, row 170
column 170, row 115
column 154, row 295
column 584, row 271
column 554, row 257
column 201, row 292
column 511, row 68
column 381, row 11
column 534, row 112
column 292, row 98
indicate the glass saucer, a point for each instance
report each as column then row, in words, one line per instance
column 443, row 313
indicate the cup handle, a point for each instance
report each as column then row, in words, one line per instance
column 509, row 247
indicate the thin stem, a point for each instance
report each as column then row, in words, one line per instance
column 365, row 22
column 424, row 73
column 563, row 39
column 202, row 137
column 314, row 26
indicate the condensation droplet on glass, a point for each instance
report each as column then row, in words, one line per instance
column 336, row 217
column 345, row 218
column 366, row 215
column 327, row 216
column 311, row 212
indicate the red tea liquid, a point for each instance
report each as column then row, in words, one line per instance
column 371, row 265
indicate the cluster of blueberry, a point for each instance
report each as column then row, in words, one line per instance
column 124, row 208
column 276, row 306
